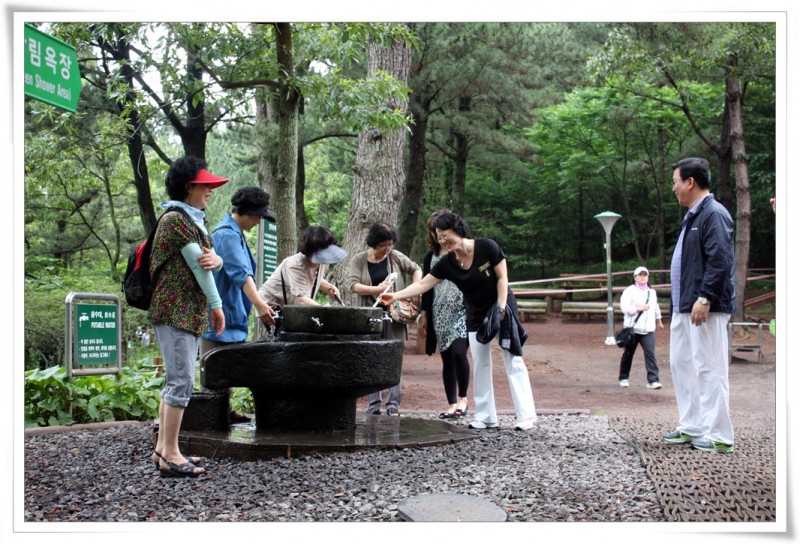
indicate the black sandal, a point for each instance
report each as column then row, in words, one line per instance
column 175, row 470
column 193, row 460
column 461, row 412
column 449, row 415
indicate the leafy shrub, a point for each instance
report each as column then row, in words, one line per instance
column 242, row 400
column 49, row 393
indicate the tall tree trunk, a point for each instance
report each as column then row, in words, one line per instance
column 120, row 51
column 300, row 192
column 723, row 190
column 115, row 251
column 193, row 133
column 266, row 146
column 461, row 145
column 141, row 175
column 662, row 185
column 285, row 195
column 581, row 245
column 300, row 184
column 412, row 197
column 378, row 179
column 735, row 98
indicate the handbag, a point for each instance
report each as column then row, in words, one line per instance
column 624, row 337
column 403, row 312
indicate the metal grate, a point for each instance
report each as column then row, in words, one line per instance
column 697, row 486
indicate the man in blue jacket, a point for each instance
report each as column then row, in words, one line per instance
column 702, row 302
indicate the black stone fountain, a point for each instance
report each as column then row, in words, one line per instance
column 305, row 387
column 325, row 358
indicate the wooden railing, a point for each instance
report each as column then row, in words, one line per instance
column 539, row 298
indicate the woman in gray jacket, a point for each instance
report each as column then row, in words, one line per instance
column 366, row 279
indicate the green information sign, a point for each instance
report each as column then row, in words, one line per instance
column 96, row 339
column 51, row 70
column 269, row 250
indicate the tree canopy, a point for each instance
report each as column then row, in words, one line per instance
column 526, row 129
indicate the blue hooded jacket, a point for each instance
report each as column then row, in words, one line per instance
column 238, row 264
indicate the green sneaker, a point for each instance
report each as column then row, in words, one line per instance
column 706, row 444
column 678, row 437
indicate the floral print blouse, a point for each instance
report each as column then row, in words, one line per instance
column 177, row 300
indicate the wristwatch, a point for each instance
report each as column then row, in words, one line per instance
column 703, row 301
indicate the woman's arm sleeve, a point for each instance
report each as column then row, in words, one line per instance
column 626, row 302
column 205, row 279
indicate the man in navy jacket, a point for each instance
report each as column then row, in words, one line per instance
column 702, row 301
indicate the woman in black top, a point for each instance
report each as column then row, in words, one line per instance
column 443, row 323
column 478, row 268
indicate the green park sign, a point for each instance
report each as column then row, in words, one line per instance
column 97, row 334
column 268, row 258
column 51, row 70
column 92, row 334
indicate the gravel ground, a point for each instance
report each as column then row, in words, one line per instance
column 568, row 468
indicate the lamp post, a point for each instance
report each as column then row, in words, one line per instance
column 607, row 219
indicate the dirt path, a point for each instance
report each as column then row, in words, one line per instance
column 571, row 368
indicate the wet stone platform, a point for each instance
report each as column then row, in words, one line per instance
column 243, row 442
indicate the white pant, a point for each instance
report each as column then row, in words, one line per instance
column 698, row 358
column 483, row 390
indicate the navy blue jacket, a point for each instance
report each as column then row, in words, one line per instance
column 707, row 259
column 512, row 334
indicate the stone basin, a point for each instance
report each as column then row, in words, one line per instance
column 332, row 319
column 310, row 378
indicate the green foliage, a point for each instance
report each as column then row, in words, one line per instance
column 328, row 189
column 596, row 148
column 49, row 394
column 242, row 400
column 603, row 149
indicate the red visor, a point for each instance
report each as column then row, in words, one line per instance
column 209, row 179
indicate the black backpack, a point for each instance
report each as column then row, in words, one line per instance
column 137, row 284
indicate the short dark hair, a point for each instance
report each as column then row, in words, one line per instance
column 452, row 221
column 380, row 232
column 430, row 237
column 315, row 238
column 697, row 168
column 249, row 199
column 181, row 172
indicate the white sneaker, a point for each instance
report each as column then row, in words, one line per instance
column 475, row 424
column 654, row 385
column 525, row 425
column 624, row 383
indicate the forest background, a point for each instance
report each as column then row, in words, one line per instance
column 526, row 129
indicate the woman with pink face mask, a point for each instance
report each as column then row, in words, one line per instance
column 640, row 297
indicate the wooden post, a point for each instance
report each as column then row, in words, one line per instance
column 158, row 363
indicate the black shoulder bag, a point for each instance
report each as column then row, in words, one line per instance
column 625, row 337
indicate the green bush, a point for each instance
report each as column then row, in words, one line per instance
column 242, row 400
column 49, row 393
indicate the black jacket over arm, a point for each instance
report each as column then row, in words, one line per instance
column 427, row 307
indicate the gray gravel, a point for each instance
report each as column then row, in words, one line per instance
column 568, row 468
